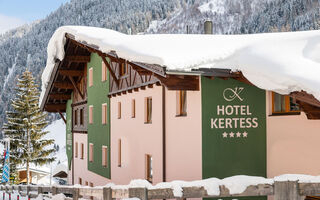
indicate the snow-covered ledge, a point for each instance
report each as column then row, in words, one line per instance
column 280, row 62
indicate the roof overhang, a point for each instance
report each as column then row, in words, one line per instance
column 77, row 55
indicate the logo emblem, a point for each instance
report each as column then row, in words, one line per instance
column 230, row 94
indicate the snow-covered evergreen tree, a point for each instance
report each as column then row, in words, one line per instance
column 25, row 126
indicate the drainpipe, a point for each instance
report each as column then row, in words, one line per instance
column 164, row 134
column 208, row 27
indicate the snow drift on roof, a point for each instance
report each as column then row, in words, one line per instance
column 281, row 62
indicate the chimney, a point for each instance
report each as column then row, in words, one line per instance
column 208, row 27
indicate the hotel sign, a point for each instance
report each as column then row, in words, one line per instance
column 234, row 116
column 233, row 129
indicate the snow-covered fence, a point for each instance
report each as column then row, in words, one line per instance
column 280, row 189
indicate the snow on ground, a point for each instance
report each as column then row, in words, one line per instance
column 57, row 131
column 280, row 62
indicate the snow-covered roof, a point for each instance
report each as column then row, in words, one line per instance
column 280, row 62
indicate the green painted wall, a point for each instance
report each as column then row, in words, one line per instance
column 69, row 141
column 233, row 129
column 98, row 133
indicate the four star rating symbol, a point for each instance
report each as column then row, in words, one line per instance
column 237, row 134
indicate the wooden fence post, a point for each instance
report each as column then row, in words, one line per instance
column 141, row 193
column 76, row 194
column 286, row 190
column 28, row 190
column 39, row 190
column 107, row 193
column 54, row 190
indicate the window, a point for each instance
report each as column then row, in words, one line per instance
column 123, row 69
column 75, row 117
column 133, row 108
column 90, row 77
column 104, row 156
column 80, row 181
column 148, row 168
column 91, row 114
column 181, row 103
column 90, row 152
column 91, row 184
column 76, row 150
column 283, row 104
column 82, row 151
column 119, row 110
column 104, row 113
column 119, row 153
column 81, row 116
column 86, row 184
column 148, row 110
column 104, row 70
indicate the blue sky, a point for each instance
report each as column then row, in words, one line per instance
column 14, row 13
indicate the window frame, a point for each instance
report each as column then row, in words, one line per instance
column 181, row 104
column 104, row 156
column 148, row 168
column 80, row 181
column 287, row 110
column 90, row 77
column 81, row 116
column 75, row 117
column 148, row 110
column 104, row 72
column 81, row 151
column 90, row 114
column 119, row 110
column 76, row 150
column 133, row 108
column 123, row 69
column 104, row 112
column 119, row 152
column 91, row 152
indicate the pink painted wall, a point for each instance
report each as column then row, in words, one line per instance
column 292, row 144
column 81, row 165
column 184, row 138
column 137, row 137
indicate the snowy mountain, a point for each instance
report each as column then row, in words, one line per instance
column 26, row 46
column 243, row 16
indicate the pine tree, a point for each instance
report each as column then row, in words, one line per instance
column 25, row 126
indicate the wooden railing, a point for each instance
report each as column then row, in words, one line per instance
column 288, row 190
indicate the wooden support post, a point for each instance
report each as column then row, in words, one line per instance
column 28, row 189
column 110, row 70
column 76, row 194
column 107, row 193
column 286, row 190
column 54, row 190
column 39, row 190
column 76, row 87
column 141, row 193
column 62, row 117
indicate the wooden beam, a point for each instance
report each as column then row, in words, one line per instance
column 187, row 82
column 305, row 97
column 76, row 87
column 60, row 96
column 62, row 117
column 55, row 107
column 78, row 59
column 63, row 85
column 110, row 70
column 65, row 72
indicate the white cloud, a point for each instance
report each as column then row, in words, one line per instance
column 7, row 23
